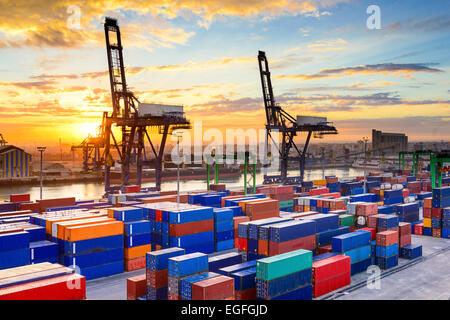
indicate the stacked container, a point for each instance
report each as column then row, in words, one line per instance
column 223, row 229
column 191, row 228
column 14, row 249
column 95, row 250
column 157, row 264
column 285, row 277
column 137, row 236
column 441, row 200
column 330, row 274
column 356, row 245
column 387, row 249
column 184, row 266
column 291, row 235
column 244, row 281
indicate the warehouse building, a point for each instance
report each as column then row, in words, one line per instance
column 14, row 162
column 392, row 142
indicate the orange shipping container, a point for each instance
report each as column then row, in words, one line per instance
column 60, row 226
column 93, row 231
column 50, row 221
column 136, row 252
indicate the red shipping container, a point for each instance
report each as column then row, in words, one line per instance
column 263, row 216
column 157, row 279
column 51, row 203
column 178, row 230
column 19, row 197
column 332, row 179
column 282, row 196
column 405, row 193
column 404, row 240
column 218, row 288
column 172, row 297
column 318, row 191
column 168, row 193
column 428, row 202
column 330, row 267
column 366, row 209
column 34, row 206
column 324, row 249
column 387, row 238
column 307, row 243
column 373, row 232
column 372, row 221
column 263, row 247
column 242, row 244
column 217, row 187
column 271, row 207
column 436, row 232
column 391, row 229
column 249, row 294
column 331, row 284
column 281, row 189
column 132, row 189
column 418, row 229
column 436, row 213
column 136, row 287
column 134, row 264
column 404, row 228
column 427, row 213
column 337, row 205
column 319, row 203
column 68, row 287
column 334, row 195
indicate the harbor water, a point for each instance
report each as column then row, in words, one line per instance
column 94, row 190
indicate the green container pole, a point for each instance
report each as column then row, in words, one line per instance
column 207, row 176
column 254, row 178
column 433, row 171
column 245, row 174
column 439, row 175
column 217, row 173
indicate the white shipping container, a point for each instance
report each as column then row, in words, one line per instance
column 397, row 187
column 159, row 110
column 308, row 120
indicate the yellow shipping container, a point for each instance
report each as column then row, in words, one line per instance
column 427, row 222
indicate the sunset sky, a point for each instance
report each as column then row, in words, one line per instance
column 203, row 55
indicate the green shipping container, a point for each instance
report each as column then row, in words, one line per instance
column 283, row 264
column 286, row 204
column 346, row 220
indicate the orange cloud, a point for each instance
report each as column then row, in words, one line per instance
column 45, row 23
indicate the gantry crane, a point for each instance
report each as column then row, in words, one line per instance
column 279, row 121
column 93, row 157
column 125, row 115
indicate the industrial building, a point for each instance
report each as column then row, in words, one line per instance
column 14, row 162
column 394, row 142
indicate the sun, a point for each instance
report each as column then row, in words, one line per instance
column 88, row 128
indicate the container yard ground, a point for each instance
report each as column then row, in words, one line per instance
column 426, row 278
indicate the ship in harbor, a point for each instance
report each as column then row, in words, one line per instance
column 373, row 165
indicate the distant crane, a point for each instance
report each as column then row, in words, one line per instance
column 125, row 115
column 93, row 157
column 3, row 142
column 278, row 120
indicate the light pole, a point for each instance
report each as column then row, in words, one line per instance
column 365, row 139
column 41, row 150
column 178, row 134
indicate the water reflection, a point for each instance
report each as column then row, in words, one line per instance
column 92, row 190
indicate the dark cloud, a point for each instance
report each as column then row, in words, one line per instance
column 438, row 23
column 381, row 68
